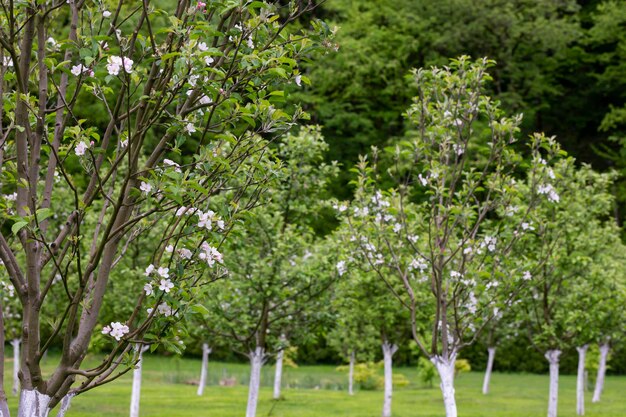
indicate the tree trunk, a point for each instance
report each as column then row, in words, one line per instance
column 33, row 404
column 604, row 353
column 553, row 358
column 4, row 408
column 580, row 381
column 206, row 351
column 16, row 365
column 65, row 405
column 278, row 376
column 388, row 352
column 136, row 393
column 492, row 355
column 445, row 367
column 256, row 362
column 351, row 374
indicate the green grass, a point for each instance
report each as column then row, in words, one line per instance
column 167, row 392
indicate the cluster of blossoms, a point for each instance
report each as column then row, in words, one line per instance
column 489, row 243
column 116, row 63
column 116, row 330
column 165, row 284
column 205, row 219
column 418, row 264
column 81, row 69
column 549, row 190
column 163, row 309
column 341, row 268
column 209, row 254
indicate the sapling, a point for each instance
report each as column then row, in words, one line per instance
column 438, row 237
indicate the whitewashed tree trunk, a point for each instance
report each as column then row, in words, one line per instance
column 486, row 381
column 4, row 408
column 136, row 393
column 206, row 351
column 388, row 352
column 351, row 374
column 278, row 375
column 65, row 405
column 256, row 362
column 445, row 368
column 16, row 365
column 33, row 404
column 580, row 380
column 553, row 358
column 604, row 353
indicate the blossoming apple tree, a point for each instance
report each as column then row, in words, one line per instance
column 121, row 121
column 426, row 224
column 567, row 252
column 274, row 281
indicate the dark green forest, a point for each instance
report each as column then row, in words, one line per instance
column 561, row 63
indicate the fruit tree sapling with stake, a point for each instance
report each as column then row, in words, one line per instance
column 432, row 238
column 122, row 131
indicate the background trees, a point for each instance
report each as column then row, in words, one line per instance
column 184, row 96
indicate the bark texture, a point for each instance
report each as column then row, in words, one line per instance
column 388, row 352
column 445, row 368
column 487, row 380
column 553, row 358
column 206, row 351
column 580, row 380
column 604, row 353
column 256, row 362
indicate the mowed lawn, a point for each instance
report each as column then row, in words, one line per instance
column 167, row 391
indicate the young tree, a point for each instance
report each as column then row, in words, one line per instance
column 96, row 105
column 433, row 234
column 559, row 307
column 273, row 272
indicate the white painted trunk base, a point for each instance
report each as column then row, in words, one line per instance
column 351, row 374
column 33, row 404
column 256, row 362
column 136, row 393
column 553, row 358
column 487, row 380
column 4, row 409
column 278, row 375
column 604, row 353
column 388, row 352
column 206, row 351
column 16, row 364
column 580, row 380
column 65, row 405
column 445, row 368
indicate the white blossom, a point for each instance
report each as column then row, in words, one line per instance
column 527, row 276
column 341, row 267
column 250, row 42
column 166, row 285
column 209, row 60
column 148, row 289
column 202, row 47
column 165, row 309
column 298, row 80
column 145, row 187
column 163, row 272
column 81, row 148
column 209, row 254
column 149, row 270
column 190, row 128
column 116, row 330
column 185, row 253
column 106, row 14
column 116, row 63
column 169, row 249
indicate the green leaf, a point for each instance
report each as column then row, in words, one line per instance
column 17, row 226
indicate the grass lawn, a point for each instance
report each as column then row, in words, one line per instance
column 167, row 392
